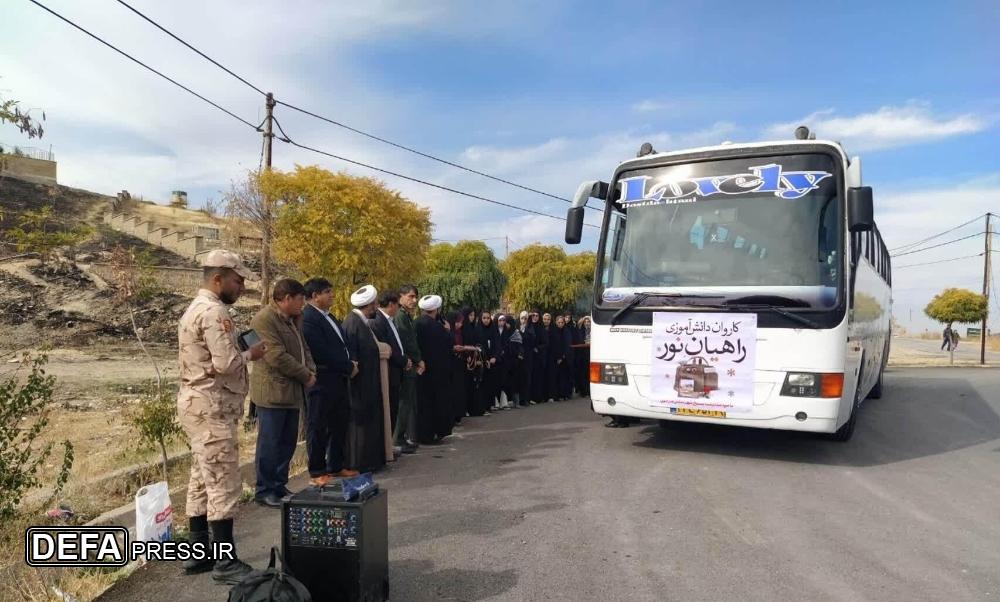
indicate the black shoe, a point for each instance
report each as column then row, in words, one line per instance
column 230, row 572
column 285, row 491
column 198, row 533
column 271, row 500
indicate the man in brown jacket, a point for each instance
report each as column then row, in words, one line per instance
column 278, row 388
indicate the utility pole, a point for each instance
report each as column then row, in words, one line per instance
column 506, row 247
column 986, row 291
column 265, row 247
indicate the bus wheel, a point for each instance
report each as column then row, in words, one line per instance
column 876, row 392
column 845, row 432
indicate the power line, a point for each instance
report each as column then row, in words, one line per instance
column 938, row 245
column 913, row 265
column 200, row 53
column 427, row 155
column 338, row 123
column 938, row 235
column 285, row 138
column 142, row 64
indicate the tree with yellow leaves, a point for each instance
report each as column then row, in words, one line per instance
column 545, row 277
column 350, row 230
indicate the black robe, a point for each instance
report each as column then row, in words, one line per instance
column 470, row 373
column 434, row 402
column 539, row 372
column 366, row 429
column 489, row 338
column 557, row 360
column 527, row 365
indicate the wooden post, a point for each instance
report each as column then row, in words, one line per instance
column 384, row 352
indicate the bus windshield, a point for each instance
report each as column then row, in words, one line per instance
column 769, row 226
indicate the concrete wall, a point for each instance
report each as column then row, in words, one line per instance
column 187, row 244
column 183, row 281
column 26, row 168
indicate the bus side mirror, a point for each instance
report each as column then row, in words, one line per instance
column 574, row 218
column 574, row 225
column 860, row 209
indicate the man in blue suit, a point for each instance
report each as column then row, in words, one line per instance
column 327, row 404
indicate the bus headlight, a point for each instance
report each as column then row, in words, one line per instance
column 809, row 384
column 608, row 374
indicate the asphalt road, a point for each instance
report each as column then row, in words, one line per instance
column 545, row 504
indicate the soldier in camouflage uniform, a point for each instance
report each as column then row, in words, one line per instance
column 214, row 384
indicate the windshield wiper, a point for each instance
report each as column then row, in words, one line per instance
column 640, row 297
column 772, row 308
column 776, row 300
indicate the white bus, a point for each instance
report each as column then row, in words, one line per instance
column 740, row 284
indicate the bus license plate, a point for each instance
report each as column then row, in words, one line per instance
column 698, row 412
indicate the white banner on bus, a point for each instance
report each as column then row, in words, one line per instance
column 703, row 361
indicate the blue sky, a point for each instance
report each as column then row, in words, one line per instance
column 547, row 94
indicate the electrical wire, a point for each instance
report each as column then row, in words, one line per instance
column 427, row 155
column 334, row 122
column 938, row 235
column 938, row 245
column 142, row 64
column 913, row 265
column 286, row 139
column 200, row 53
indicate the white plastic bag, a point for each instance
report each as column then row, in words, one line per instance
column 154, row 516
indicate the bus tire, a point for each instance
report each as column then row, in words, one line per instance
column 845, row 432
column 876, row 392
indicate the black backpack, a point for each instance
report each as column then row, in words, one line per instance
column 270, row 585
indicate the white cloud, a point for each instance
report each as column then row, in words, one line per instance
column 650, row 105
column 888, row 127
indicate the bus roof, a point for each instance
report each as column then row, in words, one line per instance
column 726, row 148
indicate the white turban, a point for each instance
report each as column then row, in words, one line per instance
column 365, row 295
column 430, row 302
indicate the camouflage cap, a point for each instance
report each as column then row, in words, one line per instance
column 220, row 258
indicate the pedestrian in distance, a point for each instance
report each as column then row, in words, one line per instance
column 278, row 387
column 947, row 338
column 327, row 403
column 366, row 429
column 213, row 387
column 384, row 327
column 404, row 435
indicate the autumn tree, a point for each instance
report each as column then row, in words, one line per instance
column 545, row 277
column 351, row 230
column 464, row 274
column 957, row 305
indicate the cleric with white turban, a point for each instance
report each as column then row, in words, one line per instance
column 365, row 431
column 364, row 296
column 430, row 303
column 435, row 415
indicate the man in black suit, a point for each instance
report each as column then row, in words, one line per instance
column 327, row 403
column 384, row 327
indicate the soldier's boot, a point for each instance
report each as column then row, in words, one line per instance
column 198, row 533
column 229, row 571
